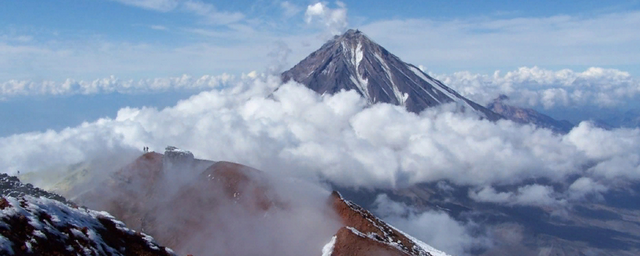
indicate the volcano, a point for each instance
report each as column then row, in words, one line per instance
column 354, row 62
column 203, row 207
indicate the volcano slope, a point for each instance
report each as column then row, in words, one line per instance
column 352, row 61
column 203, row 207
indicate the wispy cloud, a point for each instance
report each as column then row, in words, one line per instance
column 334, row 20
column 492, row 43
column 289, row 9
column 237, row 44
column 13, row 88
column 156, row 5
column 158, row 27
column 433, row 227
column 206, row 11
column 210, row 14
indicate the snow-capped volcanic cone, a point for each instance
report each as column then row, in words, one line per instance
column 203, row 207
column 354, row 62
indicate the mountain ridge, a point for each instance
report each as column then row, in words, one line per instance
column 528, row 116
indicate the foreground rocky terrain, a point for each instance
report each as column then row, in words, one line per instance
column 196, row 207
column 36, row 222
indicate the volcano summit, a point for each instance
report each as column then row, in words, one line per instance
column 353, row 62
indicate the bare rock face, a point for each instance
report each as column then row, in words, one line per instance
column 365, row 234
column 354, row 62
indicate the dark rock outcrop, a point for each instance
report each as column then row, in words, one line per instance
column 11, row 186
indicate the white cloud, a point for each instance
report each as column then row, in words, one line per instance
column 13, row 88
column 526, row 86
column 210, row 14
column 533, row 195
column 158, row 27
column 537, row 195
column 232, row 51
column 333, row 20
column 289, row 9
column 433, row 227
column 239, row 46
column 585, row 186
column 535, row 87
column 483, row 44
column 337, row 138
column 490, row 195
column 156, row 5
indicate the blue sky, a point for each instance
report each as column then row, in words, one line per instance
column 61, row 48
column 46, row 40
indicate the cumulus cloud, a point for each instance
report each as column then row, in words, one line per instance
column 341, row 139
column 433, row 227
column 533, row 195
column 585, row 186
column 333, row 20
column 13, row 88
column 537, row 87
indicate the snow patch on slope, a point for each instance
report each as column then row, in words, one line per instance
column 400, row 97
column 66, row 223
column 327, row 249
column 362, row 83
column 440, row 88
column 423, row 245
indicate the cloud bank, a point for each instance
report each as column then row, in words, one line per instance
column 338, row 138
column 526, row 86
column 537, row 87
column 13, row 88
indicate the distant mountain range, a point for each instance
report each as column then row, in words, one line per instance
column 527, row 116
